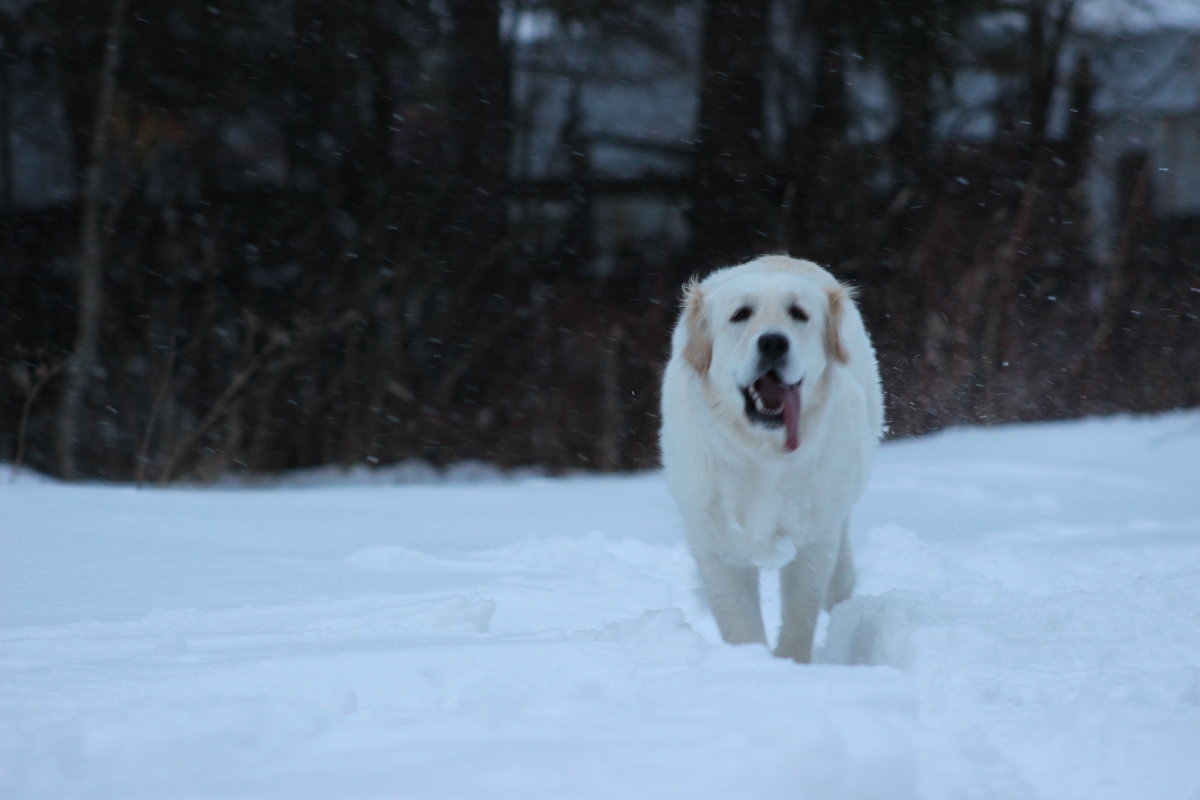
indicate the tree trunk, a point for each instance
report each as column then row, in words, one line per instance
column 7, row 200
column 480, row 131
column 731, row 209
column 84, row 362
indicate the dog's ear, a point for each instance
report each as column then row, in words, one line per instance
column 698, row 350
column 834, row 346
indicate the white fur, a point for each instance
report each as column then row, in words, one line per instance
column 746, row 502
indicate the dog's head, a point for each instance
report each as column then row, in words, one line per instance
column 761, row 335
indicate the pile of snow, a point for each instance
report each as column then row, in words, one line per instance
column 411, row 471
column 1027, row 625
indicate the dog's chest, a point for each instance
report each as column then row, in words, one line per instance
column 763, row 518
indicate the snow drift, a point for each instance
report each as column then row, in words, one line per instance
column 1027, row 625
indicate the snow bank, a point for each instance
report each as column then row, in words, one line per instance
column 1027, row 625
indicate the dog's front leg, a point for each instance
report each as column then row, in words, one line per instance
column 732, row 594
column 841, row 583
column 802, row 586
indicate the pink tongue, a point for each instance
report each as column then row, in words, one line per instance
column 791, row 418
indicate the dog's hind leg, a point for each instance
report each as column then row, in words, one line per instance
column 732, row 594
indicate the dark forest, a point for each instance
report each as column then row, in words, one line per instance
column 272, row 235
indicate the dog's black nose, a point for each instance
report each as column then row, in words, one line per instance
column 772, row 345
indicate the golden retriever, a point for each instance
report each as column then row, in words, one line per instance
column 771, row 412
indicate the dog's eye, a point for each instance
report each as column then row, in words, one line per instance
column 741, row 315
column 797, row 313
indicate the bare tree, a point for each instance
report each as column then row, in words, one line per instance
column 84, row 361
column 8, row 32
column 730, row 213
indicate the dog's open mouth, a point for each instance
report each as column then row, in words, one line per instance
column 772, row 403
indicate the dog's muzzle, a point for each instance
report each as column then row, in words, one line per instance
column 769, row 401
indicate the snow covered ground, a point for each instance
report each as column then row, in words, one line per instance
column 1027, row 625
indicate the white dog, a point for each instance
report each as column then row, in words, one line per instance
column 771, row 411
